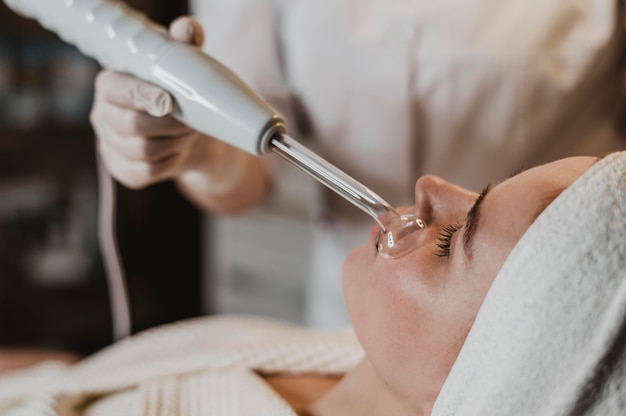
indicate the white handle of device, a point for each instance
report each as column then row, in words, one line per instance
column 208, row 96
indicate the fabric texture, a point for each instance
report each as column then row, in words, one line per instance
column 550, row 337
column 206, row 366
column 389, row 90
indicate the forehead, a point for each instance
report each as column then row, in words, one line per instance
column 541, row 184
column 560, row 173
column 512, row 206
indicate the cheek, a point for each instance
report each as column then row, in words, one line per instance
column 383, row 300
column 376, row 320
column 407, row 314
column 354, row 273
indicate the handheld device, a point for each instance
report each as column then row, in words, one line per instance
column 208, row 96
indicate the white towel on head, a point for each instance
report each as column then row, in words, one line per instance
column 550, row 337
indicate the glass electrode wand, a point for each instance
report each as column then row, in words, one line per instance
column 399, row 233
column 334, row 178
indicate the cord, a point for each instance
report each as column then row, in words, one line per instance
column 110, row 254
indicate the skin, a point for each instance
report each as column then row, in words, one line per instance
column 12, row 359
column 413, row 314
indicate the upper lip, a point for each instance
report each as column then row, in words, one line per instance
column 374, row 233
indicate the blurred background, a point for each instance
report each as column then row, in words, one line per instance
column 179, row 263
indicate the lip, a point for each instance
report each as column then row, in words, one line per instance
column 374, row 233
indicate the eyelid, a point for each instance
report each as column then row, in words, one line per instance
column 472, row 219
column 457, row 239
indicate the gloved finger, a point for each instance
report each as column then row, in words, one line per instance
column 153, row 150
column 187, row 29
column 129, row 92
column 137, row 175
column 136, row 123
column 158, row 171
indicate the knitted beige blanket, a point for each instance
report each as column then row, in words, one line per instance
column 206, row 366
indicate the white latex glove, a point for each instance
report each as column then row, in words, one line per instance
column 139, row 142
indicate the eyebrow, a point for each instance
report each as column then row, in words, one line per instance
column 471, row 223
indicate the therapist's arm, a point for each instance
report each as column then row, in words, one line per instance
column 225, row 180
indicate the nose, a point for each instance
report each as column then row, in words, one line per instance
column 437, row 199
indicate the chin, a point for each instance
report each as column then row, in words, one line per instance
column 356, row 262
column 352, row 267
column 356, row 268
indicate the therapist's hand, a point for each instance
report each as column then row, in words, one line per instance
column 139, row 141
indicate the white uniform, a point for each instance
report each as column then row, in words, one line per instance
column 393, row 89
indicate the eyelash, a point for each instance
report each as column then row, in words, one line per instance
column 445, row 238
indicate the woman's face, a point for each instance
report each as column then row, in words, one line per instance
column 412, row 314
